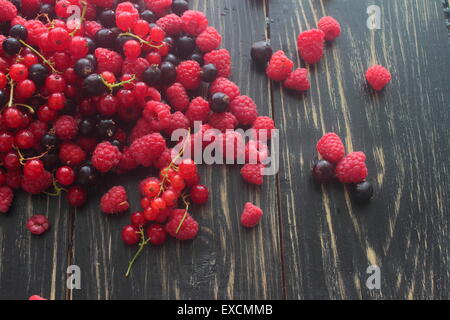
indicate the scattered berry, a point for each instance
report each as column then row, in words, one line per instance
column 330, row 27
column 331, row 148
column 362, row 192
column 323, row 171
column 38, row 224
column 378, row 77
column 352, row 169
column 279, row 66
column 298, row 80
column 251, row 215
column 310, row 45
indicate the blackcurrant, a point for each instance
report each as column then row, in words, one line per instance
column 107, row 18
column 179, row 6
column 185, row 45
column 86, row 127
column 46, row 9
column 152, row 75
column 93, row 59
column 3, row 98
column 86, row 175
column 70, row 107
column 219, row 102
column 84, row 67
column 168, row 73
column 91, row 45
column 363, row 192
column 209, row 72
column 323, row 171
column 49, row 141
column 106, row 128
column 18, row 31
column 197, row 57
column 148, row 16
column 38, row 73
column 11, row 46
column 50, row 161
column 261, row 51
column 93, row 85
column 105, row 38
column 172, row 59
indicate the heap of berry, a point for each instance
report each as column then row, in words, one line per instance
column 103, row 94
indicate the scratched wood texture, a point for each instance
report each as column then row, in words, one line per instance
column 313, row 243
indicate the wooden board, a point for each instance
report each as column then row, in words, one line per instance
column 314, row 242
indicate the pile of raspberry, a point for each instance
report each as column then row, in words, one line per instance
column 102, row 96
column 310, row 44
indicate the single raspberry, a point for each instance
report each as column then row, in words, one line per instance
column 279, row 66
column 71, row 154
column 181, row 225
column 352, row 169
column 298, row 80
column 148, row 148
column 141, row 128
column 108, row 60
column 157, row 115
column 263, row 128
column 66, row 127
column 177, row 96
column 251, row 215
column 209, row 40
column 6, row 198
column 171, row 24
column 198, row 110
column 244, row 109
column 8, row 11
column 187, row 169
column 221, row 59
column 310, row 45
column 252, row 173
column 177, row 121
column 39, row 129
column 38, row 224
column 225, row 86
column 92, row 27
column 330, row 26
column 194, row 22
column 105, row 157
column 160, row 7
column 223, row 121
column 35, row 30
column 256, row 152
column 164, row 159
column 114, row 201
column 233, row 146
column 127, row 162
column 88, row 144
column 378, row 77
column 135, row 66
column 188, row 74
column 38, row 185
column 331, row 148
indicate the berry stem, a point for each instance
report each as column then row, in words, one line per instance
column 142, row 41
column 142, row 244
column 30, row 108
column 50, row 64
column 111, row 86
column 57, row 192
column 186, row 203
column 11, row 92
column 83, row 15
column 22, row 159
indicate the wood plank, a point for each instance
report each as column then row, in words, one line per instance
column 34, row 264
column 328, row 240
column 225, row 261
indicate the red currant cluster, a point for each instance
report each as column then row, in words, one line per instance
column 102, row 93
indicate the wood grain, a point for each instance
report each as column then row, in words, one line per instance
column 404, row 132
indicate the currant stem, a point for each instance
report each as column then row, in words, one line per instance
column 185, row 213
column 11, row 92
column 142, row 41
column 30, row 108
column 83, row 15
column 50, row 64
column 111, row 86
column 142, row 244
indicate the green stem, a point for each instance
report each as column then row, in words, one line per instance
column 11, row 92
column 83, row 15
column 142, row 41
column 111, row 86
column 40, row 56
column 142, row 244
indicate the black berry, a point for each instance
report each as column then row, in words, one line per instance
column 209, row 72
column 108, row 18
column 152, row 75
column 323, row 171
column 93, row 85
column 197, row 57
column 172, row 59
column 11, row 46
column 49, row 141
column 185, row 45
column 38, row 73
column 51, row 161
column 180, row 6
column 106, row 128
column 168, row 73
column 363, row 192
column 18, row 31
column 148, row 16
column 84, row 67
column 86, row 175
column 105, row 38
column 219, row 102
column 86, row 127
column 261, row 51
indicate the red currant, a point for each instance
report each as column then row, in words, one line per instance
column 56, row 101
column 47, row 115
column 24, row 139
column 13, row 117
column 150, row 214
column 199, row 194
column 154, row 58
column 141, row 28
column 132, row 49
column 33, row 169
column 30, row 59
column 3, row 80
column 58, row 38
column 157, row 234
column 76, row 196
column 130, row 235
column 108, row 105
column 151, row 188
column 55, row 83
column 170, row 198
column 138, row 219
column 65, row 176
column 157, row 34
column 18, row 72
column 177, row 182
column 6, row 141
column 2, row 177
column 25, row 89
column 11, row 161
column 62, row 8
column 145, row 203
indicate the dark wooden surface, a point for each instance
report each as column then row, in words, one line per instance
column 313, row 242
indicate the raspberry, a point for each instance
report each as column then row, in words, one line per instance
column 108, row 60
column 352, row 169
column 38, row 185
column 66, row 127
column 221, row 59
column 157, row 115
column 114, row 201
column 256, row 152
column 135, row 66
column 38, row 224
column 171, row 24
column 126, row 16
column 330, row 27
column 252, row 173
column 194, row 22
column 188, row 74
column 141, row 128
column 6, row 198
column 225, row 86
column 187, row 169
column 127, row 162
column 298, row 80
column 331, row 148
column 244, row 109
column 223, row 121
column 251, row 215
column 92, row 27
column 160, row 7
column 279, row 66
column 187, row 228
column 30, row 7
column 148, row 148
column 310, row 45
column 105, row 157
column 233, row 146
column 378, row 77
column 8, row 11
column 177, row 96
column 198, row 110
column 208, row 40
column 164, row 159
column 71, row 154
column 263, row 128
column 177, row 121
column 35, row 30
